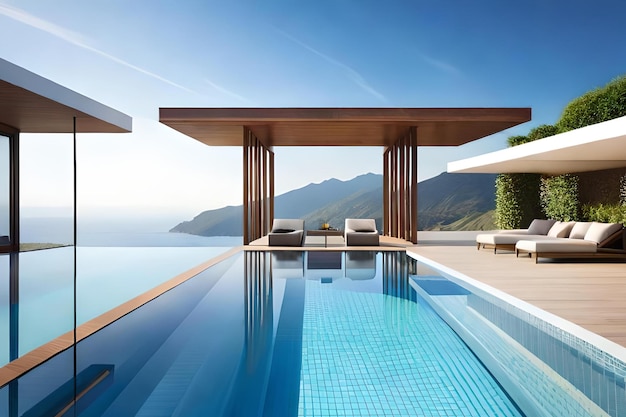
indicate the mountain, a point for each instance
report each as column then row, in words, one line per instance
column 448, row 198
column 445, row 201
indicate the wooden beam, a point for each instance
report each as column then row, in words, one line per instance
column 414, row 181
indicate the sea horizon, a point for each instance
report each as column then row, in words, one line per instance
column 114, row 233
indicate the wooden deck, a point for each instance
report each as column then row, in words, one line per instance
column 317, row 243
column 589, row 293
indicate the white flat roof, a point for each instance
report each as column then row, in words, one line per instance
column 591, row 148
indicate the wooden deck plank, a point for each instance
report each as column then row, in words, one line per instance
column 589, row 294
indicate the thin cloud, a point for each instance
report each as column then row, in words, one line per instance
column 227, row 92
column 352, row 74
column 444, row 66
column 75, row 39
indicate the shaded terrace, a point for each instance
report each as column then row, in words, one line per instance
column 589, row 294
column 399, row 130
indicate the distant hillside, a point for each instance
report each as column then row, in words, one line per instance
column 447, row 198
column 442, row 201
column 303, row 202
column 474, row 221
column 327, row 201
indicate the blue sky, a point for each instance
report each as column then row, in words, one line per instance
column 137, row 56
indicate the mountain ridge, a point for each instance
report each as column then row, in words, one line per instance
column 444, row 201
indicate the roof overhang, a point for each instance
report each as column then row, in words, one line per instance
column 341, row 126
column 33, row 104
column 591, row 148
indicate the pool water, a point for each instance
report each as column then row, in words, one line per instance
column 267, row 335
column 106, row 277
column 368, row 354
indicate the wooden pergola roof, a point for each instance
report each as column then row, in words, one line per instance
column 341, row 126
column 33, row 104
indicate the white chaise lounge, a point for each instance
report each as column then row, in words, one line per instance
column 506, row 239
column 585, row 240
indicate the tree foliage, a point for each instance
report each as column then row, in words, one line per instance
column 517, row 200
column 559, row 197
column 542, row 131
column 607, row 213
column 599, row 105
column 622, row 190
column 517, row 140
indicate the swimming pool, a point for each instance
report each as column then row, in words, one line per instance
column 308, row 334
column 106, row 277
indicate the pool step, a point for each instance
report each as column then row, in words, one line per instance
column 172, row 354
column 190, row 349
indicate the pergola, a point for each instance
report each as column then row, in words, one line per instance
column 399, row 130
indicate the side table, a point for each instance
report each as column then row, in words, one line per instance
column 325, row 233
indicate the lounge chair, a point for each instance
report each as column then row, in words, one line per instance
column 361, row 232
column 506, row 239
column 286, row 232
column 597, row 242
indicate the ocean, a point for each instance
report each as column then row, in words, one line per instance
column 155, row 239
column 109, row 234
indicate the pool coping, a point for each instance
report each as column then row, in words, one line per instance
column 600, row 342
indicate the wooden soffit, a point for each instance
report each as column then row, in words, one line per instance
column 33, row 104
column 341, row 126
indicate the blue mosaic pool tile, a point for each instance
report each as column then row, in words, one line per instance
column 598, row 375
column 366, row 354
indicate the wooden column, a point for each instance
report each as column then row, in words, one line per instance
column 386, row 179
column 400, row 188
column 258, row 188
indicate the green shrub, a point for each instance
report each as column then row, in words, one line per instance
column 559, row 197
column 599, row 105
column 622, row 190
column 517, row 200
column 517, row 140
column 608, row 213
column 542, row 131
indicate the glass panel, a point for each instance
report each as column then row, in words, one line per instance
column 5, row 307
column 46, row 296
column 46, row 191
column 4, row 401
column 5, row 190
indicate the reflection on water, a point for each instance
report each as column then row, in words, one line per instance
column 235, row 331
column 37, row 288
column 36, row 299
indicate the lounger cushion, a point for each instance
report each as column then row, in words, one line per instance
column 598, row 232
column 512, row 231
column 286, row 232
column 579, row 230
column 561, row 229
column 505, row 238
column 558, row 245
column 361, row 225
column 540, row 227
column 361, row 232
column 288, row 224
